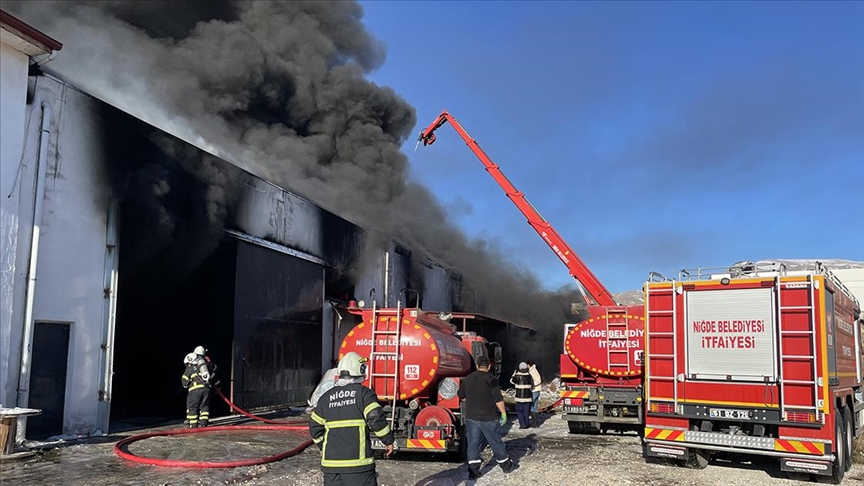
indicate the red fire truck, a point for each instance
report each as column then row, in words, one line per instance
column 756, row 360
column 416, row 362
column 601, row 364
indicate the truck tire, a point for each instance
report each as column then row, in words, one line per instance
column 592, row 428
column 849, row 429
column 461, row 453
column 575, row 427
column 839, row 466
column 698, row 459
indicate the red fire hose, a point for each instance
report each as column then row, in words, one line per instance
column 550, row 407
column 121, row 447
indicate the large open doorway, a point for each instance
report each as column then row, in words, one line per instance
column 256, row 310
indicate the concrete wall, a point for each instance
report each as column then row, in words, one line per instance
column 13, row 114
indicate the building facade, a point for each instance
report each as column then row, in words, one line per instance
column 125, row 247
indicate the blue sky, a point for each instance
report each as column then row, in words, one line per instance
column 653, row 136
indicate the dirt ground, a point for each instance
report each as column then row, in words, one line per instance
column 547, row 455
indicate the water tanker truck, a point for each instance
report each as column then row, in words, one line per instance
column 416, row 363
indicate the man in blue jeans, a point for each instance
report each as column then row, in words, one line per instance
column 484, row 414
column 538, row 385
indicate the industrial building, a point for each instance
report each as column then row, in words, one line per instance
column 124, row 247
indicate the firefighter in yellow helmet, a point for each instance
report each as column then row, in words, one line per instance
column 340, row 426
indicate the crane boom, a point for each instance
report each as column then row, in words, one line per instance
column 578, row 270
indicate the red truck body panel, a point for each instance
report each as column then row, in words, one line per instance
column 763, row 363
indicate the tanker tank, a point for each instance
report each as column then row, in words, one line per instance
column 608, row 344
column 429, row 351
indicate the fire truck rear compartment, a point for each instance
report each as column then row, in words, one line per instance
column 766, row 366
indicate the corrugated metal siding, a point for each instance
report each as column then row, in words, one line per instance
column 398, row 276
column 438, row 288
column 277, row 328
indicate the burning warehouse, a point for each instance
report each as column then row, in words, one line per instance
column 140, row 221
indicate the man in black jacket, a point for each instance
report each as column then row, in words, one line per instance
column 340, row 426
column 484, row 414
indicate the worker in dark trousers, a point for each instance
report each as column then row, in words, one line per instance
column 523, row 382
column 340, row 426
column 483, row 410
column 199, row 376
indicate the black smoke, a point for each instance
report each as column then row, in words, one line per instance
column 280, row 89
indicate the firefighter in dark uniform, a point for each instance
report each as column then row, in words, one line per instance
column 197, row 379
column 340, row 426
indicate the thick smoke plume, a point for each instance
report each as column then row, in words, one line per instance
column 279, row 89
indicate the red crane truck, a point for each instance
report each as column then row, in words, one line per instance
column 416, row 362
column 601, row 363
column 755, row 360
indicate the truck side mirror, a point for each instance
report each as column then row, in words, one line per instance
column 497, row 353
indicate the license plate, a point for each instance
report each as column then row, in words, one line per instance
column 572, row 409
column 729, row 413
column 377, row 444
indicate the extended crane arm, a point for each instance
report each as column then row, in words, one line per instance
column 578, row 269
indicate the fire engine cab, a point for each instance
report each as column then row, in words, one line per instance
column 753, row 359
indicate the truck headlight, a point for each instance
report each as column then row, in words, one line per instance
column 448, row 388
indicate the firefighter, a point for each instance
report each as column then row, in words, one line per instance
column 340, row 426
column 523, row 382
column 199, row 376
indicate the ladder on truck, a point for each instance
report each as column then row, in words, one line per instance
column 621, row 328
column 650, row 313
column 810, row 309
column 382, row 330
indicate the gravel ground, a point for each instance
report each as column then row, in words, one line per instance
column 547, row 455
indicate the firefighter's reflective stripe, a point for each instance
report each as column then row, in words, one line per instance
column 799, row 446
column 664, row 434
column 369, row 408
column 425, row 444
column 318, row 420
column 195, row 387
column 575, row 394
column 360, row 424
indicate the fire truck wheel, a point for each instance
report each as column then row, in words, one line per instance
column 850, row 434
column 839, row 469
column 575, row 427
column 698, row 459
